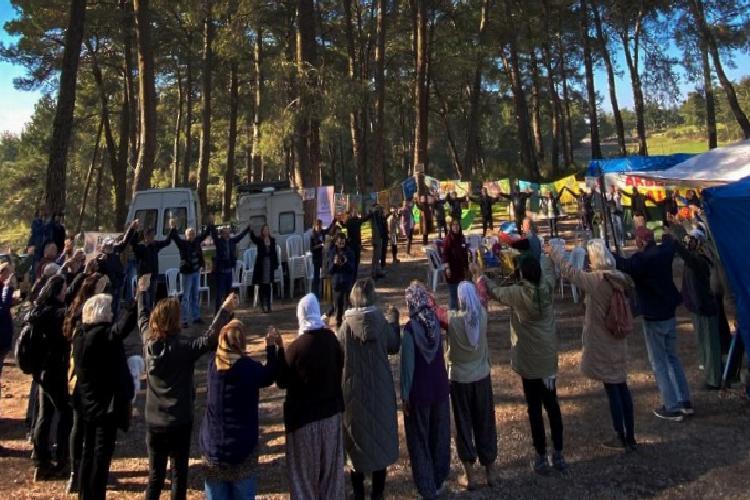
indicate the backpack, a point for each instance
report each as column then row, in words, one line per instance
column 29, row 350
column 619, row 321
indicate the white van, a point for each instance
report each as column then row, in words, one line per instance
column 281, row 209
column 155, row 207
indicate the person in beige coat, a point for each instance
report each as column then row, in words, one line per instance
column 604, row 357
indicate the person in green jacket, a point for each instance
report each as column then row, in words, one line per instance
column 534, row 352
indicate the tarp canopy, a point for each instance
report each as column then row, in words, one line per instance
column 635, row 164
column 717, row 166
column 727, row 208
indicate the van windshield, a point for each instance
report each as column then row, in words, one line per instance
column 147, row 218
column 179, row 214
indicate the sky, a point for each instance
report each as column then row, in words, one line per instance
column 17, row 106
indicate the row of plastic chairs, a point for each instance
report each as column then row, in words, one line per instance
column 174, row 284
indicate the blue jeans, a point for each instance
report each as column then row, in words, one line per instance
column 621, row 410
column 130, row 271
column 223, row 286
column 661, row 343
column 453, row 296
column 243, row 489
column 191, row 309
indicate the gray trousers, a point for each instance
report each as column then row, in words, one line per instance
column 474, row 415
column 428, row 438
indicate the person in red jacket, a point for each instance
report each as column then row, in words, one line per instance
column 455, row 260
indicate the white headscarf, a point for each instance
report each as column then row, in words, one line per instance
column 468, row 301
column 308, row 314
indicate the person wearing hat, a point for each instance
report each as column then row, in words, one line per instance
column 702, row 303
column 651, row 270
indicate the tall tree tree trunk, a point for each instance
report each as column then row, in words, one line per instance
column 307, row 164
column 98, row 197
column 471, row 154
column 120, row 180
column 356, row 111
column 555, row 109
column 204, row 154
column 596, row 148
column 461, row 171
column 631, row 58
column 708, row 95
column 512, row 68
column 234, row 98
column 536, row 105
column 602, row 41
column 131, row 157
column 696, row 6
column 177, row 131
column 257, row 159
column 378, row 172
column 57, row 166
column 187, row 161
column 89, row 177
column 146, row 96
column 119, row 175
column 421, row 88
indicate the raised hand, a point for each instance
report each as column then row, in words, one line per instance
column 144, row 282
column 231, row 302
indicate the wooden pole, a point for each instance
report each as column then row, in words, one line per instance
column 89, row 176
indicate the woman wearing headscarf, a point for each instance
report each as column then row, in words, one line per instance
column 310, row 371
column 47, row 318
column 533, row 353
column 229, row 431
column 370, row 426
column 470, row 384
column 103, row 387
column 455, row 259
column 424, row 392
column 604, row 358
column 92, row 285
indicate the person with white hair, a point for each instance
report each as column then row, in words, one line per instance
column 471, row 386
column 310, row 370
column 605, row 356
column 103, row 387
column 191, row 262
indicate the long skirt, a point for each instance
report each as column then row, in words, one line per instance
column 428, row 438
column 315, row 460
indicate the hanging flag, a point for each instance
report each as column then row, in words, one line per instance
column 325, row 204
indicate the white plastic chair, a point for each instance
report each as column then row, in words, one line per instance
column 297, row 271
column 203, row 287
column 577, row 259
column 558, row 245
column 309, row 270
column 134, row 286
column 475, row 241
column 307, row 239
column 434, row 268
column 174, row 283
column 278, row 275
column 248, row 267
column 294, row 246
column 237, row 281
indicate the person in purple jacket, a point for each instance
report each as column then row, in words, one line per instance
column 424, row 391
column 229, row 432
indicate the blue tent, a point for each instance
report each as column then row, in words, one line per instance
column 728, row 210
column 635, row 164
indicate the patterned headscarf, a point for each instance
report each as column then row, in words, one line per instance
column 424, row 322
column 468, row 301
column 231, row 345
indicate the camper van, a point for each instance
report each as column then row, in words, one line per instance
column 155, row 207
column 272, row 203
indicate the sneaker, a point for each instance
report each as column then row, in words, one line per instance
column 559, row 463
column 540, row 465
column 686, row 409
column 616, row 443
column 674, row 416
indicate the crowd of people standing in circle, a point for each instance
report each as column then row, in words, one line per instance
column 341, row 403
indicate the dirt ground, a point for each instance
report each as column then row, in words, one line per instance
column 706, row 456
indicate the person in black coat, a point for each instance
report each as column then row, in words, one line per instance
column 54, row 232
column 104, row 388
column 170, row 398
column 438, row 213
column 353, row 226
column 341, row 270
column 637, row 203
column 146, row 252
column 455, row 203
column 425, row 206
column 46, row 318
column 317, row 242
column 518, row 201
column 379, row 243
column 485, row 202
column 110, row 263
column 225, row 259
column 266, row 264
